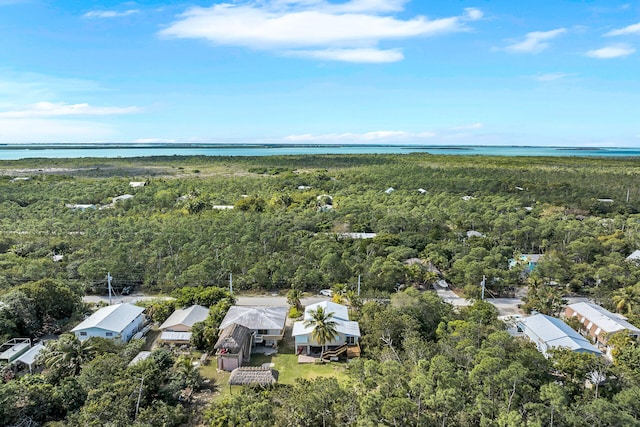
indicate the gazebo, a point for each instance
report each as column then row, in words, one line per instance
column 253, row 376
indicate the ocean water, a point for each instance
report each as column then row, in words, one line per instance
column 24, row 151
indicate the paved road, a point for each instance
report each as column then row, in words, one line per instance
column 505, row 306
column 94, row 299
column 274, row 300
column 269, row 300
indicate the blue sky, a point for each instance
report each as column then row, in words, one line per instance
column 437, row 72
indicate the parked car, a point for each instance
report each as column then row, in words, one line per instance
column 326, row 292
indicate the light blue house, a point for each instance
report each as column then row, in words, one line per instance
column 348, row 332
column 120, row 321
column 530, row 261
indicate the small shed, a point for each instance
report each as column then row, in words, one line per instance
column 143, row 355
column 253, row 376
column 389, row 190
column 28, row 358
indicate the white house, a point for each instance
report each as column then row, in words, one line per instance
column 136, row 184
column 120, row 321
column 549, row 333
column 635, row 256
column 348, row 331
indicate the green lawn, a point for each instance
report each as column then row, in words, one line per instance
column 289, row 369
column 285, row 363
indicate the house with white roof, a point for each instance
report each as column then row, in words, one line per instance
column 549, row 333
column 182, row 320
column 348, row 331
column 635, row 256
column 266, row 324
column 177, row 327
column 120, row 321
column 121, row 198
column 599, row 323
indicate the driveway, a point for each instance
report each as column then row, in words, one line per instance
column 505, row 306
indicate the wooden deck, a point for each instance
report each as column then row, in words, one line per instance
column 353, row 351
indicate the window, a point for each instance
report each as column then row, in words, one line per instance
column 109, row 334
column 351, row 340
column 83, row 334
column 263, row 332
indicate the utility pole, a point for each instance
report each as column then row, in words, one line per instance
column 139, row 397
column 109, row 285
column 230, row 283
column 358, row 285
column 627, row 195
column 484, row 280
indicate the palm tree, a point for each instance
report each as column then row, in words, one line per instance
column 625, row 299
column 339, row 293
column 354, row 300
column 293, row 298
column 68, row 354
column 324, row 327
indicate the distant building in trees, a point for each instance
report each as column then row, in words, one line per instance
column 529, row 260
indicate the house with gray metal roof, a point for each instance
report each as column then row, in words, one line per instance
column 599, row 323
column 265, row 323
column 549, row 333
column 119, row 321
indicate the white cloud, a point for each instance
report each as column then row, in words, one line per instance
column 469, row 127
column 51, row 109
column 153, row 140
column 51, row 130
column 608, row 52
column 376, row 136
column 549, row 77
column 535, row 42
column 109, row 13
column 631, row 29
column 352, row 55
column 348, row 31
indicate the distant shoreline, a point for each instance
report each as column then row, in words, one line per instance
column 131, row 150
